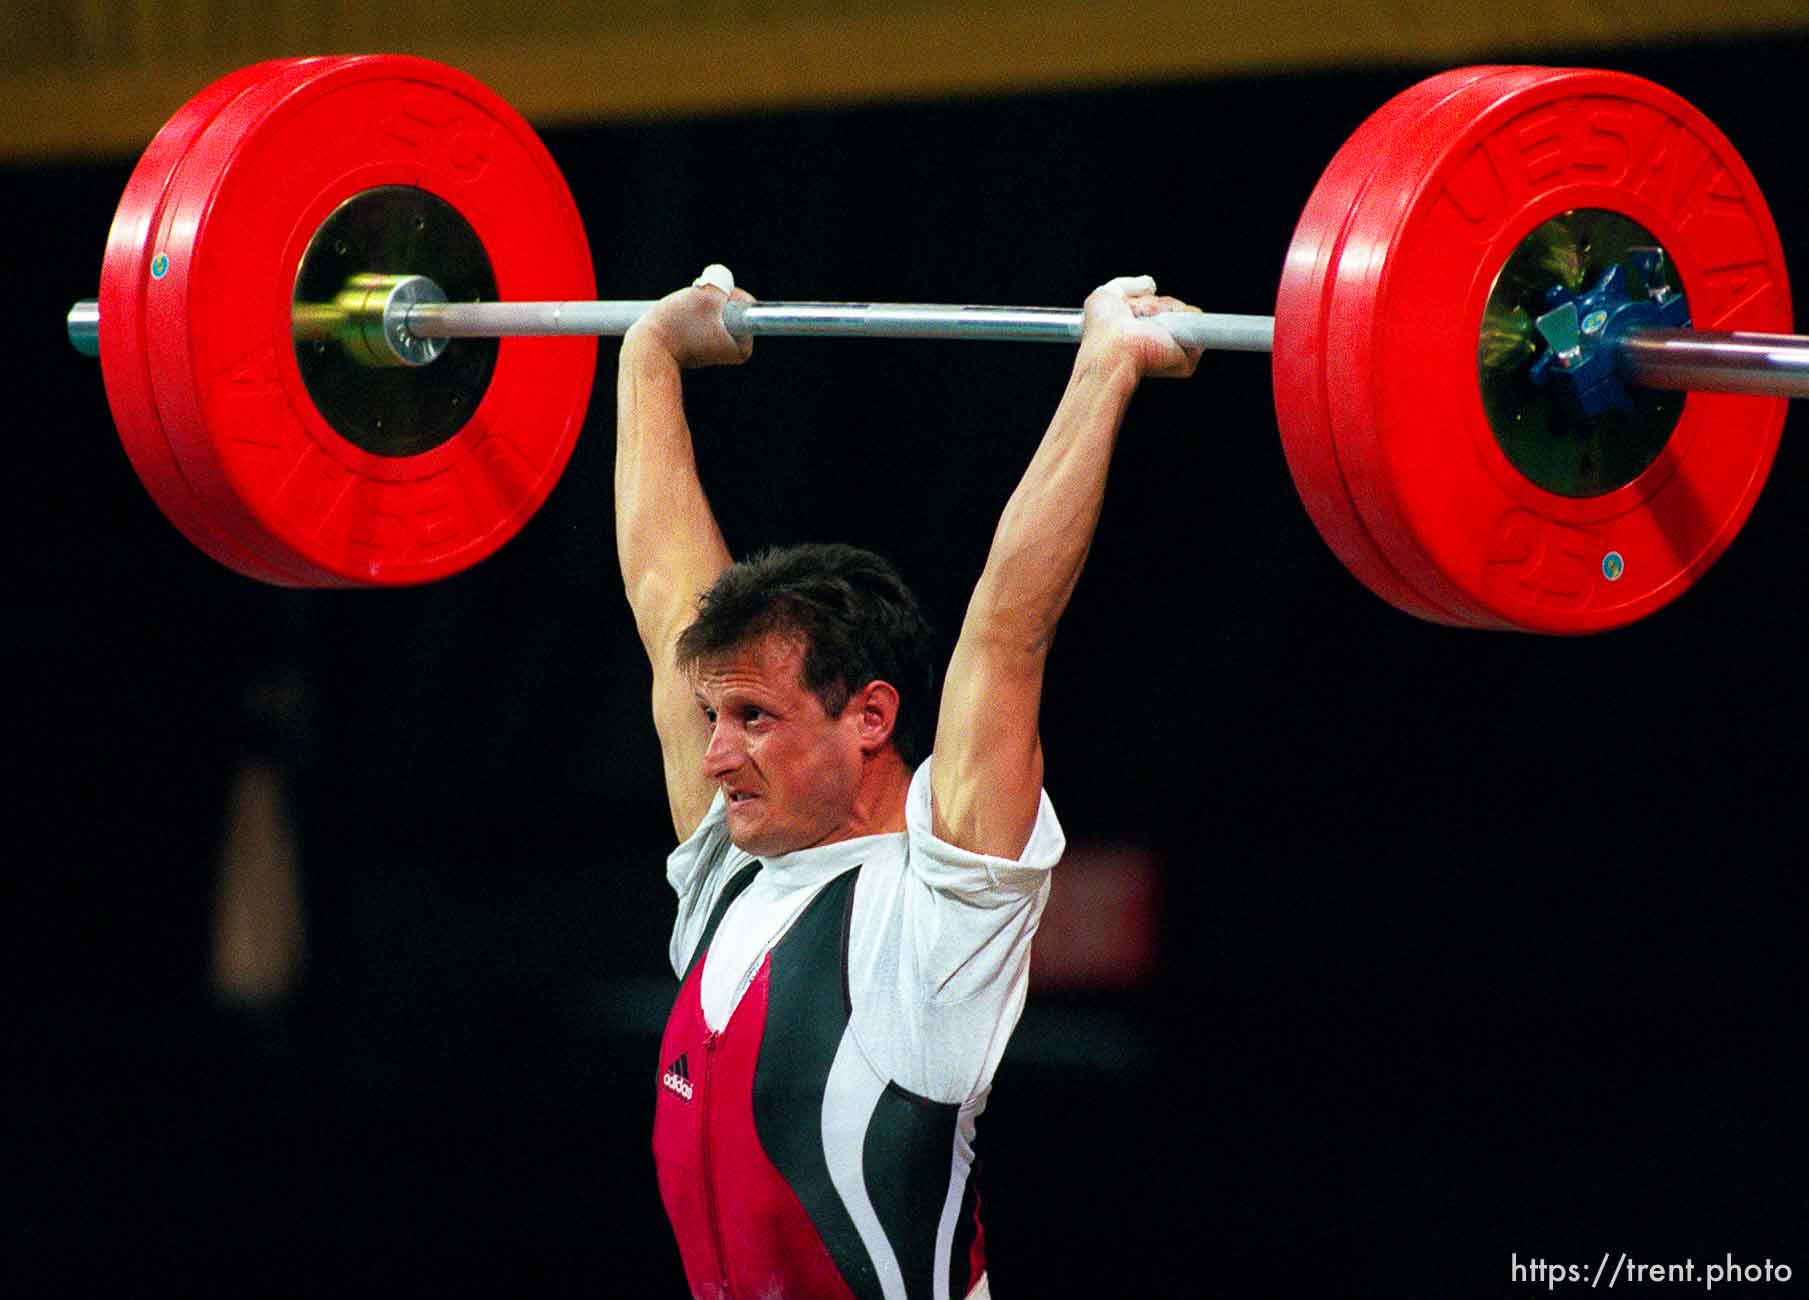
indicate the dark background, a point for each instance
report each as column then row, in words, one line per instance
column 1472, row 945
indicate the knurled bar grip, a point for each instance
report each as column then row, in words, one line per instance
column 891, row 320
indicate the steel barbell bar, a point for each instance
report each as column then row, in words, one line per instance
column 438, row 319
column 1674, row 360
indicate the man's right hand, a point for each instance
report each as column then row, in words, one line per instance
column 687, row 326
column 1118, row 330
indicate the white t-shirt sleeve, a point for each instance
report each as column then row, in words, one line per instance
column 697, row 870
column 942, row 963
column 979, row 879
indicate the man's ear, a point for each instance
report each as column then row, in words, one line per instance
column 876, row 706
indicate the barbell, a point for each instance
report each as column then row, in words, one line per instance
column 1529, row 359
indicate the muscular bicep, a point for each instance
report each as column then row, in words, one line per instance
column 987, row 779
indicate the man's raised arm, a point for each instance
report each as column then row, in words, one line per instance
column 666, row 537
column 987, row 777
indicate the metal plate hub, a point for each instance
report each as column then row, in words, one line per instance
column 390, row 409
column 1571, row 452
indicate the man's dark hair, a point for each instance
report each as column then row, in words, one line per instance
column 853, row 614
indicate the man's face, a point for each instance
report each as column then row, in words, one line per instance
column 788, row 772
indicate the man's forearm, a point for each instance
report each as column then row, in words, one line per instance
column 1047, row 526
column 667, row 540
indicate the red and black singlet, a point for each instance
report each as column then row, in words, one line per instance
column 788, row 1166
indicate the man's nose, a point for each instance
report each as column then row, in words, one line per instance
column 723, row 754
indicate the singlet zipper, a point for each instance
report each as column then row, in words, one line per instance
column 711, row 1212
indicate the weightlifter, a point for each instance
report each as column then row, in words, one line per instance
column 855, row 908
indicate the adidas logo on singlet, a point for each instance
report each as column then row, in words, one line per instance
column 678, row 1077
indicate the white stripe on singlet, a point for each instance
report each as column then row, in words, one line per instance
column 849, row 1096
column 849, row 1100
column 951, row 1207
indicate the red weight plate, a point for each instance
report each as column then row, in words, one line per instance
column 163, row 327
column 1349, row 324
column 125, row 271
column 1432, row 486
column 247, row 199
column 1301, row 345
